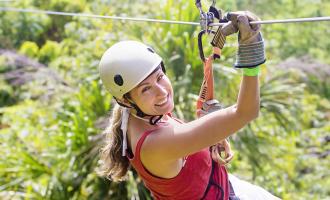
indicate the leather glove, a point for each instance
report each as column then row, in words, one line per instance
column 251, row 51
column 229, row 28
column 219, row 38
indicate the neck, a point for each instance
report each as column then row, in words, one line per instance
column 147, row 119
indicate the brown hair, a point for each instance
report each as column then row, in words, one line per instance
column 114, row 166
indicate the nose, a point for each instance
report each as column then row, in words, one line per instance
column 161, row 90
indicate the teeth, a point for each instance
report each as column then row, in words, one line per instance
column 165, row 100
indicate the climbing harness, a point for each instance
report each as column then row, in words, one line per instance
column 206, row 92
column 211, row 183
column 206, row 100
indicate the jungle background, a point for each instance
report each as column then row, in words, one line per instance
column 53, row 107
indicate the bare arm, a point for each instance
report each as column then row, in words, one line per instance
column 174, row 143
column 248, row 100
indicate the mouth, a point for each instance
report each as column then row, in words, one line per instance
column 162, row 102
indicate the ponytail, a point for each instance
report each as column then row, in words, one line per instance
column 114, row 166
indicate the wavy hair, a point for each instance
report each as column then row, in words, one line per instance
column 113, row 165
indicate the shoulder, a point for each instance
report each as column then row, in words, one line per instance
column 154, row 156
column 157, row 144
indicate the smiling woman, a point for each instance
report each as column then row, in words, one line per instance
column 173, row 158
column 154, row 95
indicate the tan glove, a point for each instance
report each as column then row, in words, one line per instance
column 251, row 50
column 248, row 33
column 229, row 28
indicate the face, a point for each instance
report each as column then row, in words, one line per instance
column 154, row 95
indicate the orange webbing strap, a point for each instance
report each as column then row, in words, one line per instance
column 207, row 88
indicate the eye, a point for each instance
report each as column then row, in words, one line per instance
column 160, row 77
column 145, row 89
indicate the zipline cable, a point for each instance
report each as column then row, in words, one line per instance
column 296, row 20
column 94, row 16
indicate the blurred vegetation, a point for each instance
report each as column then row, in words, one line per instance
column 50, row 125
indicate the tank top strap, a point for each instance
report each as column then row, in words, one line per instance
column 146, row 133
column 140, row 142
column 135, row 155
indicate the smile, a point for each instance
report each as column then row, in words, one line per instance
column 162, row 102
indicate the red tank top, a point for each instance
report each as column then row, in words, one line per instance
column 191, row 182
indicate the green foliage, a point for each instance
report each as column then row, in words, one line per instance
column 68, row 136
column 6, row 95
column 20, row 27
column 49, row 51
column 29, row 49
column 50, row 147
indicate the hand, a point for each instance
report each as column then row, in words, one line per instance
column 248, row 33
column 229, row 28
column 219, row 38
column 221, row 152
column 251, row 50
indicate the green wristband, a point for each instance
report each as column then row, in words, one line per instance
column 251, row 71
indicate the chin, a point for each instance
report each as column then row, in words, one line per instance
column 170, row 109
column 166, row 110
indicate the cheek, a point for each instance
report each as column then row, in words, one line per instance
column 168, row 84
column 135, row 97
column 143, row 100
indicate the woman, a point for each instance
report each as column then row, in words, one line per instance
column 171, row 157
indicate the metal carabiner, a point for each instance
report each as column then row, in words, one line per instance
column 200, row 44
column 206, row 18
column 199, row 4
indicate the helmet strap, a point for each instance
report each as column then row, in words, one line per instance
column 153, row 120
column 157, row 119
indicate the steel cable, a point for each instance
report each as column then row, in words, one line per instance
column 25, row 10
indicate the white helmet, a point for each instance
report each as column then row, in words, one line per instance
column 124, row 65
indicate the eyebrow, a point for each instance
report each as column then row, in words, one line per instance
column 146, row 83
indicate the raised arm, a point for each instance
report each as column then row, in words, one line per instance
column 175, row 142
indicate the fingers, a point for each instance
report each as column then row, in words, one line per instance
column 251, row 16
column 229, row 157
column 229, row 28
column 216, row 156
column 228, row 153
column 232, row 16
column 243, row 18
column 221, row 152
column 243, row 24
